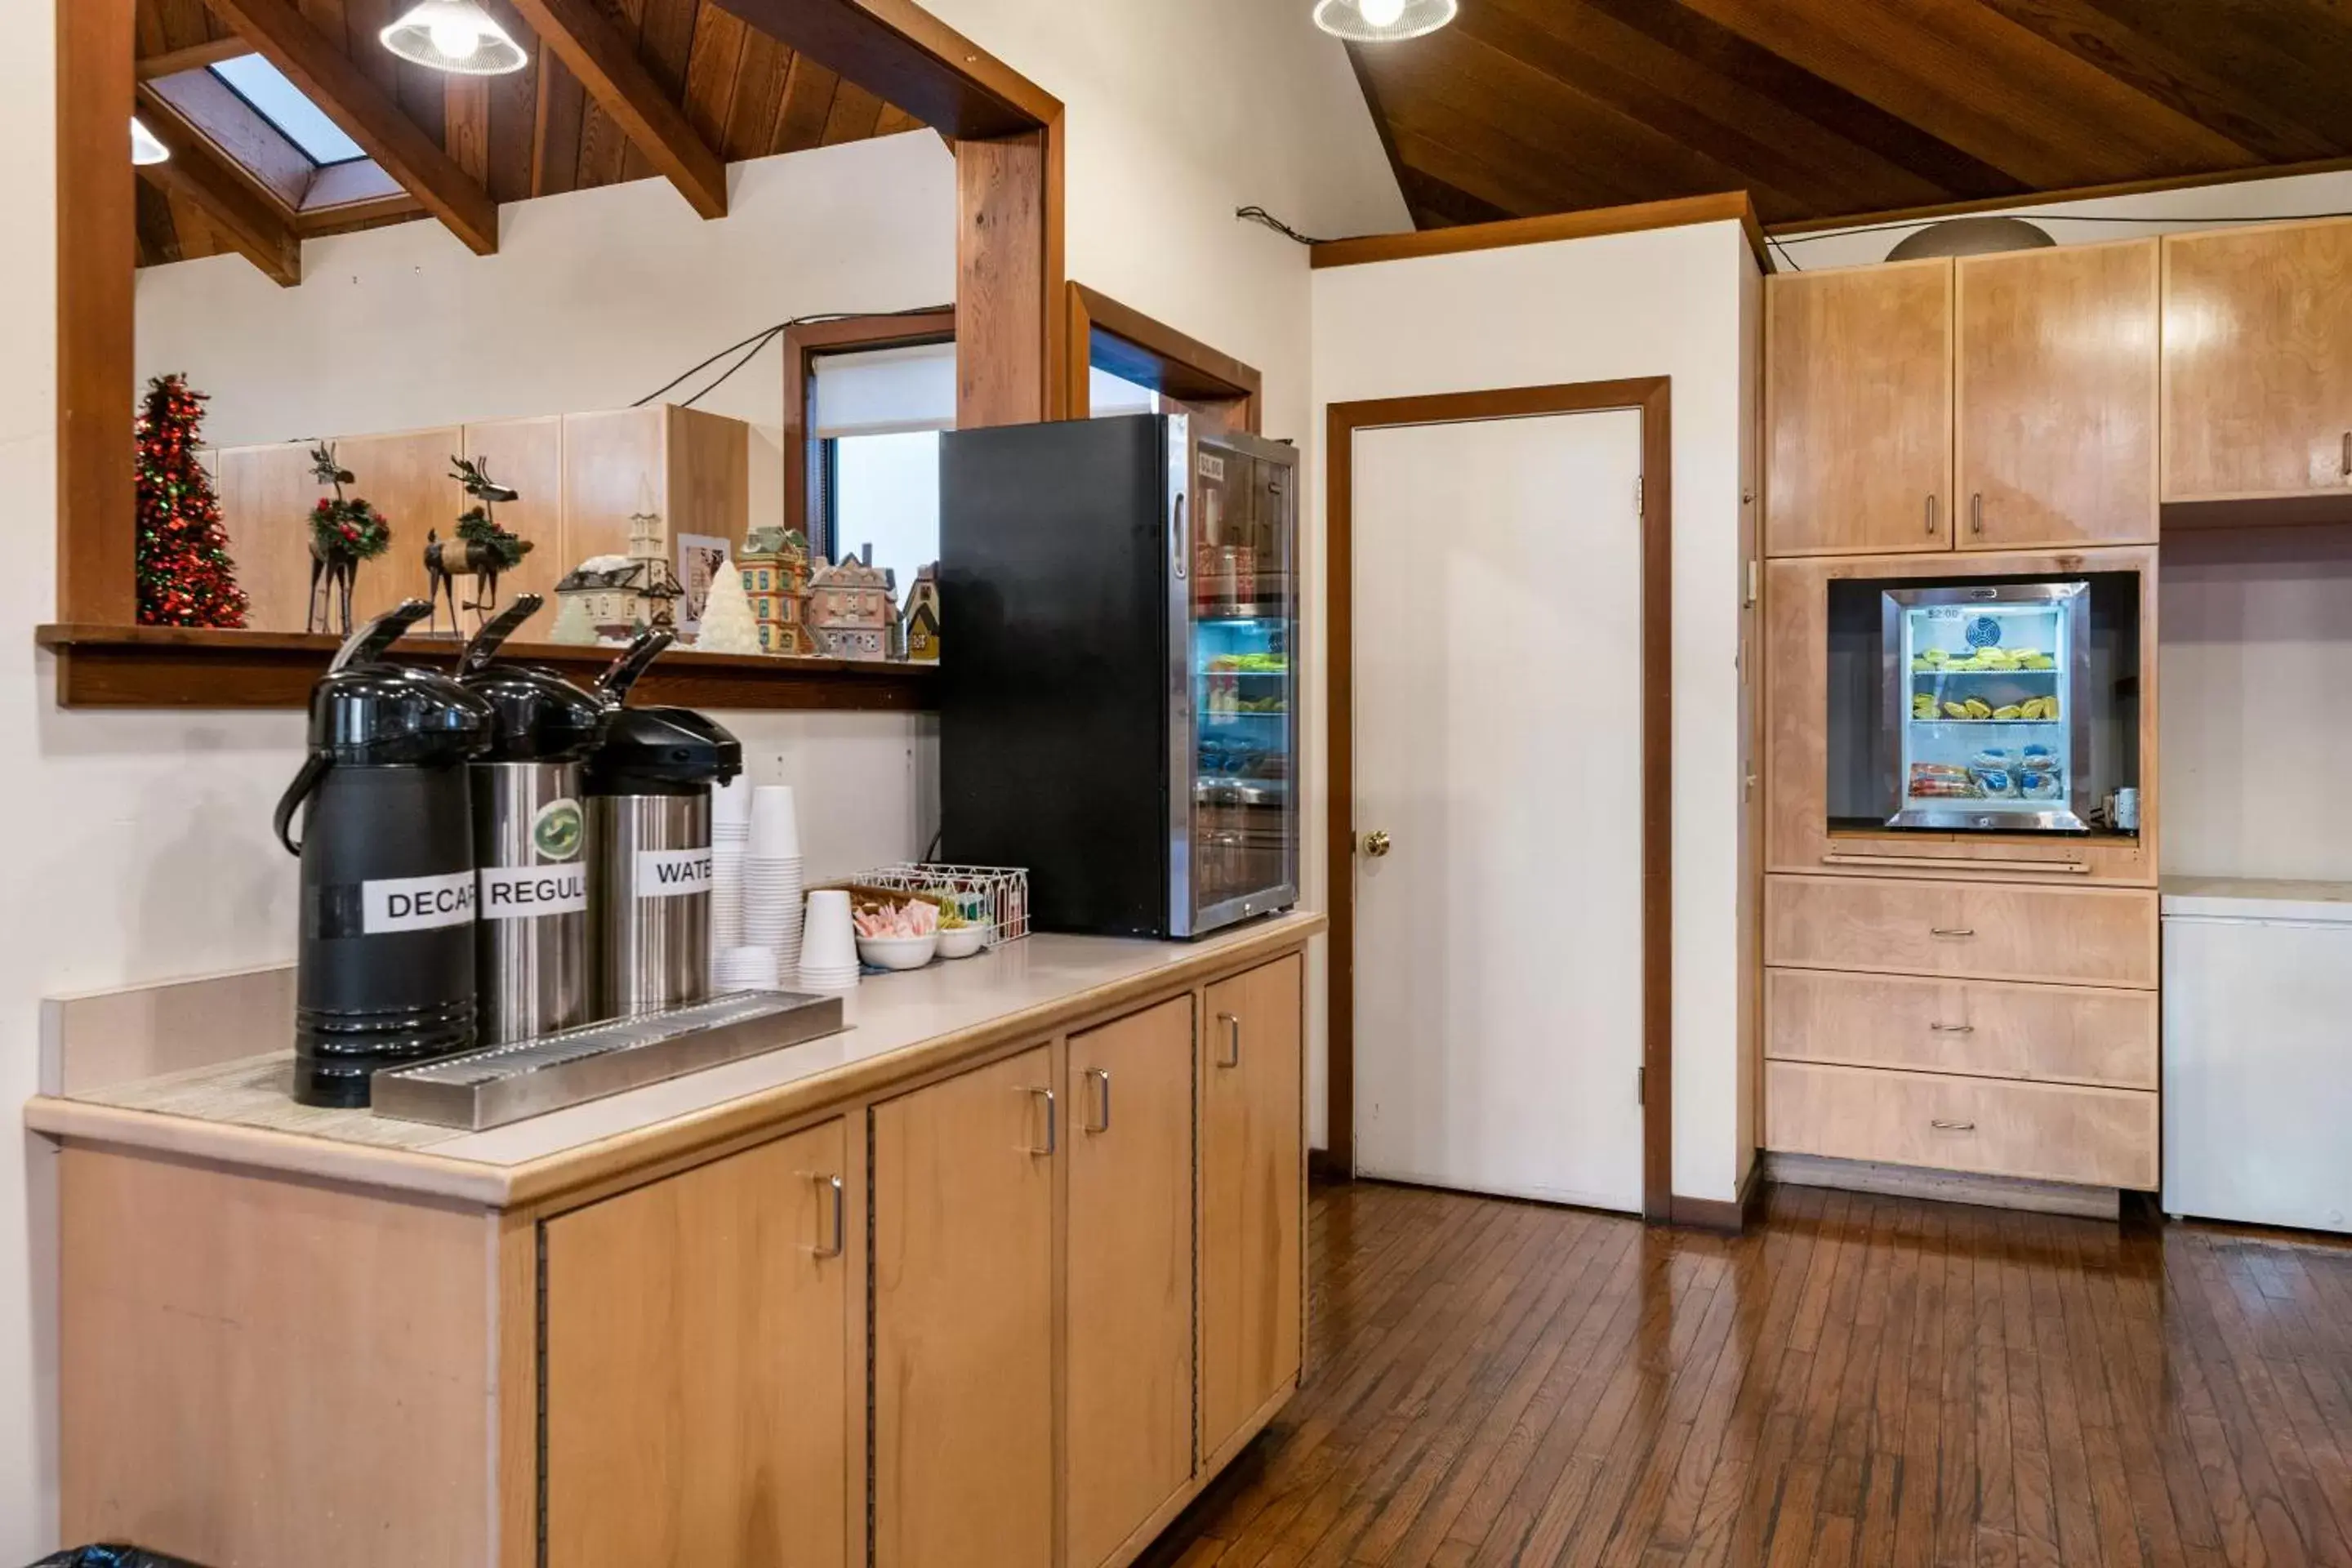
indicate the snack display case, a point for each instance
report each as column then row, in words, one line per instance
column 1988, row 691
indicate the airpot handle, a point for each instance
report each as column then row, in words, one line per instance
column 367, row 645
column 614, row 685
column 493, row 635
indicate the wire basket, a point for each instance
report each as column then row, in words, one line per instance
column 994, row 896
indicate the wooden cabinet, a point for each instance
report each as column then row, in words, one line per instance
column 698, row 1365
column 2050, row 1133
column 2056, row 396
column 1970, row 931
column 1130, row 1294
column 963, row 1314
column 2258, row 361
column 1858, row 387
column 1253, row 1179
column 1988, row 1028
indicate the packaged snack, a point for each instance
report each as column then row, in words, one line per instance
column 1977, row 708
column 1955, row 711
column 2010, row 711
column 1991, row 757
column 1997, row 783
column 2043, row 785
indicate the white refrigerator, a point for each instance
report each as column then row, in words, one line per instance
column 2258, row 1051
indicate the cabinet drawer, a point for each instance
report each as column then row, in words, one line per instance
column 2052, row 1132
column 1967, row 930
column 1986, row 1028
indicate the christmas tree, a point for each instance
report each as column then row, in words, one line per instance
column 185, row 575
column 727, row 623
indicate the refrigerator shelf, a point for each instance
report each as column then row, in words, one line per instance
column 2044, row 723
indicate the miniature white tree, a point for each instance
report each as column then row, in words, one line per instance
column 727, row 623
column 572, row 622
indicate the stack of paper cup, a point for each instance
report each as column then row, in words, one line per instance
column 730, row 832
column 746, row 969
column 829, row 943
column 772, row 876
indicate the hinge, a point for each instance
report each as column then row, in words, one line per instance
column 1638, row 495
column 1755, row 581
column 1641, row 1086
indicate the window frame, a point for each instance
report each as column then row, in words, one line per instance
column 806, row 343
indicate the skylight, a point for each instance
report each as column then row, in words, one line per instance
column 281, row 103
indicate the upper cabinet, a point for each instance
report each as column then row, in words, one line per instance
column 2258, row 361
column 1859, row 393
column 2057, row 402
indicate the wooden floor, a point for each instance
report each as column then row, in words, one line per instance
column 1858, row 1380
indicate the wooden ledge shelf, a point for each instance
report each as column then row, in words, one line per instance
column 191, row 667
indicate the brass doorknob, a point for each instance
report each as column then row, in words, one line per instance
column 1376, row 845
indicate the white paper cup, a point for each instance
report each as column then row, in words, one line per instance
column 828, row 941
column 731, row 806
column 746, row 969
column 775, row 824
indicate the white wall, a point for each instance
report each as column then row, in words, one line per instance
column 148, row 853
column 1666, row 302
column 2255, row 667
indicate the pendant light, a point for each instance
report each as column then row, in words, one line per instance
column 146, row 148
column 1382, row 21
column 455, row 35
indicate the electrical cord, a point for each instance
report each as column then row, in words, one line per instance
column 750, row 348
column 1258, row 215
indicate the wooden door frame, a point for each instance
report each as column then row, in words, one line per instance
column 1152, row 353
column 1652, row 398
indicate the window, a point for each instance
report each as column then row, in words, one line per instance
column 875, row 419
column 1110, row 395
column 281, row 102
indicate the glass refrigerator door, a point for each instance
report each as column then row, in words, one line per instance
column 1244, row 685
column 1988, row 686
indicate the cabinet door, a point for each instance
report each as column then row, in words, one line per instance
column 1130, row 1276
column 1858, row 367
column 1252, row 1179
column 2057, row 398
column 963, row 1319
column 2258, row 361
column 697, row 1366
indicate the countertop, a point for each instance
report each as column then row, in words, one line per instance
column 2257, row 897
column 241, row 1112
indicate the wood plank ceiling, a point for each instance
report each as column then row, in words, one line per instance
column 533, row 133
column 1834, row 108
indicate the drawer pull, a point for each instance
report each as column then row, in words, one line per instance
column 1102, row 1085
column 1052, row 1123
column 1953, row 1028
column 1953, row 1126
column 1956, row 931
column 1233, row 1057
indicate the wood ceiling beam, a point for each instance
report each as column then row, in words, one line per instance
column 369, row 115
column 196, row 56
column 199, row 173
column 607, row 66
column 903, row 55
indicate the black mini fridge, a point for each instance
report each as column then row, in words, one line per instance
column 1119, row 671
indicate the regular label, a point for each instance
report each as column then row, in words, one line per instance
column 527, row 892
column 416, row 903
column 672, row 873
column 1212, row 467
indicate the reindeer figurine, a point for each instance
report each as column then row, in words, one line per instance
column 344, row 532
column 482, row 550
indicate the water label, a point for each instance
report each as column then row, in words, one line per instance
column 673, row 873
column 416, row 903
column 527, row 892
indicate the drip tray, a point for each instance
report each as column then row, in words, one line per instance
column 492, row 1087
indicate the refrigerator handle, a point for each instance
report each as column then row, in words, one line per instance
column 1176, row 535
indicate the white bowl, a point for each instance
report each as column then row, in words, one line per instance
column 898, row 952
column 962, row 941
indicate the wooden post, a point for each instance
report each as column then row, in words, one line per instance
column 1009, row 324
column 97, row 256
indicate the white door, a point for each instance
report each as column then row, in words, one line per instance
column 1498, row 745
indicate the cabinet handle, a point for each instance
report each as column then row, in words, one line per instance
column 1953, row 1126
column 1102, row 1088
column 2347, row 456
column 1233, row 1057
column 840, row 1217
column 1953, row 1028
column 1976, row 512
column 1053, row 1122
column 1952, row 930
column 1931, row 514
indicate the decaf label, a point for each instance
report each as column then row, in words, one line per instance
column 415, row 903
column 672, row 873
column 527, row 892
column 556, row 832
